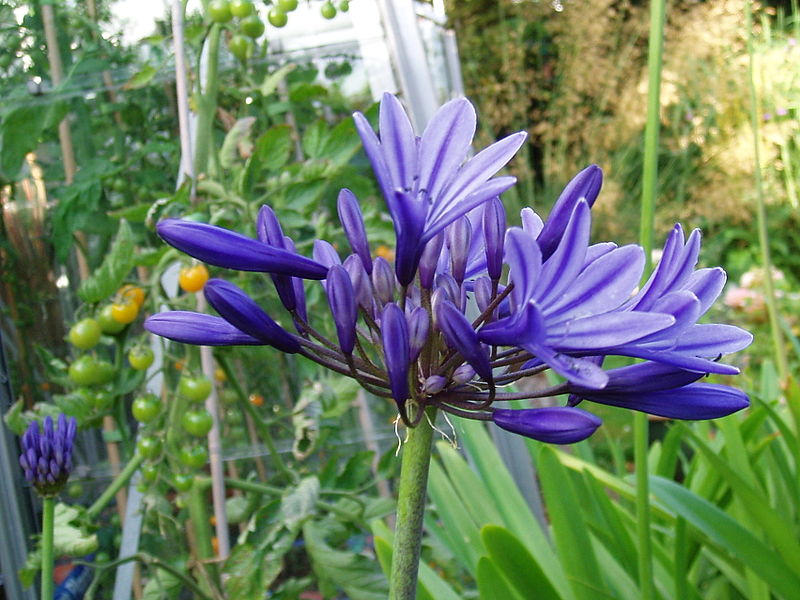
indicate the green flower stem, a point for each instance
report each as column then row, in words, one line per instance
column 48, row 521
column 411, row 509
column 763, row 235
column 641, row 429
column 121, row 480
column 208, row 103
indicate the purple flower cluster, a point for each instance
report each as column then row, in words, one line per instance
column 47, row 454
column 471, row 306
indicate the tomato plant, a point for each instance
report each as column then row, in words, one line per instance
column 183, row 482
column 124, row 312
column 83, row 370
column 197, row 422
column 140, row 357
column 85, row 334
column 149, row 447
column 277, row 18
column 107, row 322
column 192, row 279
column 219, row 11
column 195, row 389
column 252, row 26
column 193, row 456
column 132, row 293
column 146, row 408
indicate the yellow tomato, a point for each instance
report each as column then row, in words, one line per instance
column 192, row 279
column 124, row 312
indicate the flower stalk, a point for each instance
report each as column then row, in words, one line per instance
column 48, row 559
column 416, row 460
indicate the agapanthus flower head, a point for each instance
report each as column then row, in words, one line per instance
column 47, row 453
column 470, row 306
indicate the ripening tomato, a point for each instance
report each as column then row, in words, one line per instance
column 85, row 334
column 107, row 322
column 192, row 279
column 256, row 399
column 132, row 293
column 141, row 357
column 124, row 312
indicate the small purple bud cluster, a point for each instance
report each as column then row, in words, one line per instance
column 470, row 305
column 47, row 454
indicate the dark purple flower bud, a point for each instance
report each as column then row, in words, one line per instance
column 362, row 286
column 394, row 335
column 383, row 280
column 268, row 227
column 236, row 307
column 463, row 374
column 342, row 301
column 483, row 293
column 554, row 425
column 429, row 261
column 585, row 185
column 459, row 236
column 408, row 212
column 325, row 254
column 418, row 325
column 494, row 232
column 353, row 224
column 459, row 334
column 198, row 329
column 224, row 248
column 434, row 384
column 46, row 457
column 297, row 285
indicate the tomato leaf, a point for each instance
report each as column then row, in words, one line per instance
column 116, row 266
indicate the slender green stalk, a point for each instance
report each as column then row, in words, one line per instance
column 97, row 507
column 208, row 103
column 646, row 233
column 411, row 509
column 48, row 521
column 761, row 212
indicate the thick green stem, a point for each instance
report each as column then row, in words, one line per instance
column 97, row 507
column 411, row 509
column 763, row 235
column 48, row 514
column 208, row 103
column 197, row 506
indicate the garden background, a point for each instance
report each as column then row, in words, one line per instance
column 91, row 158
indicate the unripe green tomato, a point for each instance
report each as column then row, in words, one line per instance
column 344, row 6
column 242, row 8
column 183, row 482
column 83, row 370
column 104, row 372
column 142, row 487
column 229, row 396
column 241, row 47
column 328, row 10
column 233, row 417
column 195, row 389
column 149, row 447
column 85, row 334
column 102, row 400
column 219, row 11
column 277, row 18
column 146, row 408
column 287, row 5
column 140, row 357
column 194, row 457
column 252, row 26
column 197, row 422
column 75, row 490
column 107, row 322
column 149, row 472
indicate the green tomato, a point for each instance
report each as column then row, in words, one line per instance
column 195, row 389
column 107, row 321
column 83, row 370
column 102, row 400
column 149, row 472
column 229, row 396
column 149, row 447
column 233, row 417
column 146, row 408
column 183, row 482
column 219, row 11
column 344, row 6
column 141, row 357
column 242, row 8
column 252, row 26
column 241, row 47
column 328, row 10
column 75, row 490
column 197, row 422
column 194, row 457
column 277, row 18
column 287, row 5
column 104, row 372
column 85, row 334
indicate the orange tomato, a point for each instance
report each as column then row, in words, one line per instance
column 192, row 279
column 124, row 312
column 256, row 399
column 132, row 293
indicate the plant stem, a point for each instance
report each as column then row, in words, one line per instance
column 48, row 514
column 196, row 504
column 411, row 509
column 763, row 235
column 208, row 103
column 119, row 482
column 646, row 233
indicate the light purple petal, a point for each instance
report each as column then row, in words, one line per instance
column 559, row 271
column 525, row 261
column 398, row 142
column 353, row 224
column 605, row 331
